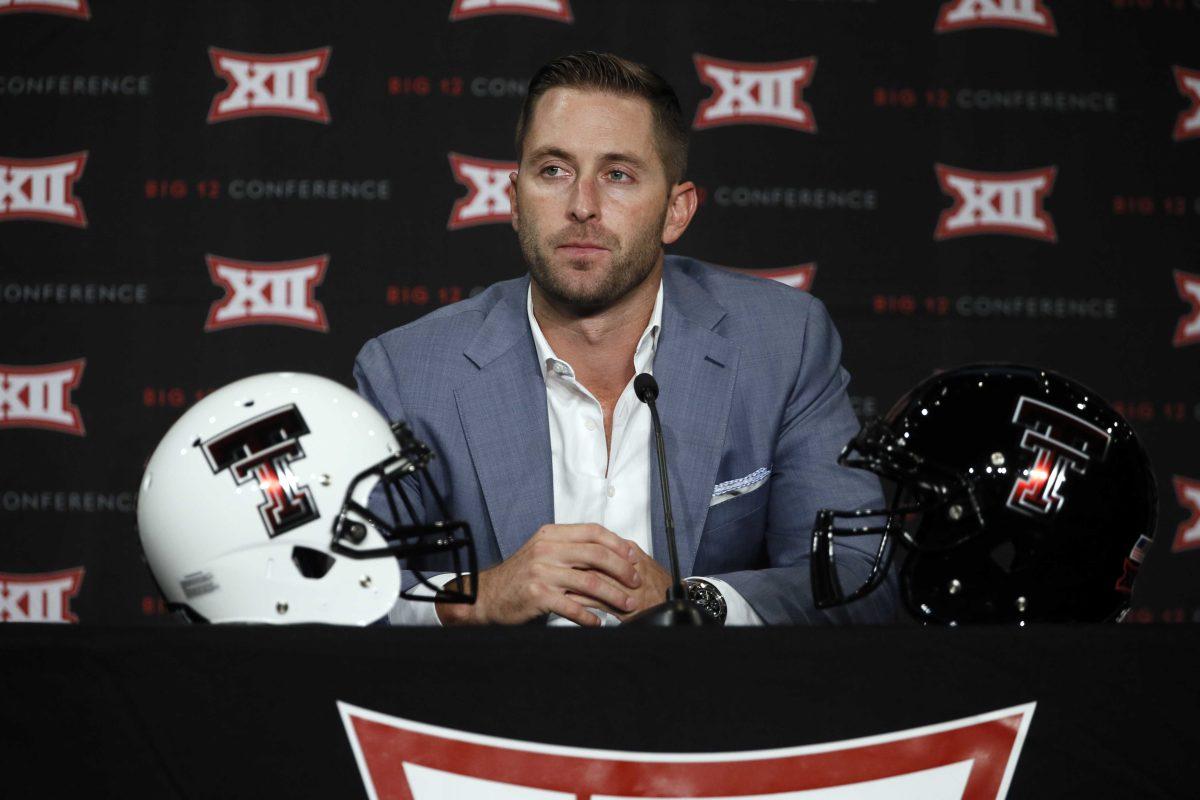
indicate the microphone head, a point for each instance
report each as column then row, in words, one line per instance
column 645, row 387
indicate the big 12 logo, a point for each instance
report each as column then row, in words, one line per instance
column 486, row 200
column 1005, row 203
column 798, row 277
column 40, row 597
column 39, row 396
column 65, row 8
column 970, row 758
column 1187, row 331
column 1187, row 126
column 42, row 189
column 267, row 293
column 283, row 85
column 1025, row 15
column 755, row 93
column 559, row 10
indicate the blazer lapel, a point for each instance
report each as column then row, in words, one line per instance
column 503, row 414
column 696, row 369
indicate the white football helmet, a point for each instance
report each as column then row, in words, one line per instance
column 254, row 507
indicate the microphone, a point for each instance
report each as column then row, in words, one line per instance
column 677, row 611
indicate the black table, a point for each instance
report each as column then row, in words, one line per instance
column 250, row 712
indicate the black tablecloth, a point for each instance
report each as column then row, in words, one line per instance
column 250, row 712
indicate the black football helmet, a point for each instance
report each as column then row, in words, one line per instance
column 1020, row 496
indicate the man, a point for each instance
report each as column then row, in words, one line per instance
column 525, row 391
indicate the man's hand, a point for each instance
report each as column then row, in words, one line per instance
column 655, row 582
column 560, row 570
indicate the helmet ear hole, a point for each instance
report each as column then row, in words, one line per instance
column 1003, row 555
column 311, row 563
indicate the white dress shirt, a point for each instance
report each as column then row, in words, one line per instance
column 594, row 480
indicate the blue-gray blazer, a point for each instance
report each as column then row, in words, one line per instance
column 750, row 380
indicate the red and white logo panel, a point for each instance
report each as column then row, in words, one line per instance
column 267, row 293
column 66, row 8
column 1188, row 330
column 549, row 9
column 1025, row 15
column 487, row 191
column 283, row 85
column 1187, row 493
column 1188, row 124
column 755, row 94
column 798, row 277
column 42, row 189
column 1004, row 203
column 967, row 759
column 39, row 597
column 39, row 396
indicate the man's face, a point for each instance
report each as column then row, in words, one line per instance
column 591, row 197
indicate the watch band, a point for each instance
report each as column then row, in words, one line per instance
column 707, row 597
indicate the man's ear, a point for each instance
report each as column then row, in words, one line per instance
column 511, row 189
column 681, row 207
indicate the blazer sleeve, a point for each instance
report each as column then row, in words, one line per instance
column 816, row 424
column 376, row 380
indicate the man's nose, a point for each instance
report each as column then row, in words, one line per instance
column 585, row 200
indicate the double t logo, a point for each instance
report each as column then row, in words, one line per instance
column 263, row 449
column 1062, row 442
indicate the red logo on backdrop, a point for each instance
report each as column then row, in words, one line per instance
column 1188, row 330
column 66, row 8
column 1025, row 15
column 42, row 189
column 1188, row 124
column 972, row 759
column 1187, row 535
column 1062, row 443
column 550, row 9
column 39, row 396
column 798, row 277
column 487, row 191
column 267, row 293
column 40, row 597
column 755, row 94
column 283, row 85
column 1006, row 203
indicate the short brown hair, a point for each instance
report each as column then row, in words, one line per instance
column 608, row 73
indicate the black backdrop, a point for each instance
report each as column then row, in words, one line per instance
column 846, row 202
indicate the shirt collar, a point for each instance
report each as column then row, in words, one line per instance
column 643, row 356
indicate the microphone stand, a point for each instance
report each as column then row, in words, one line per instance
column 677, row 611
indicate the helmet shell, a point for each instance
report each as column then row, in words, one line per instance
column 236, row 506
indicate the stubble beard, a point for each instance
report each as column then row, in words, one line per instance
column 628, row 266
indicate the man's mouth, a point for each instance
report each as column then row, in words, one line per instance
column 578, row 249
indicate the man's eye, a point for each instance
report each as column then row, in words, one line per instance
column 619, row 175
column 547, row 171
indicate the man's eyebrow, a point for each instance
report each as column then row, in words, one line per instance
column 558, row 152
column 628, row 158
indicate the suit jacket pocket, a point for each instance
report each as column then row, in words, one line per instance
column 733, row 535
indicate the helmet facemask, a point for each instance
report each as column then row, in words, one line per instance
column 933, row 509
column 442, row 545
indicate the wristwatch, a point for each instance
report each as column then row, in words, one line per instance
column 707, row 597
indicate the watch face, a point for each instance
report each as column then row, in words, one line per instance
column 706, row 596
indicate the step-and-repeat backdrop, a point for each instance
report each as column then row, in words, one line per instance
column 192, row 192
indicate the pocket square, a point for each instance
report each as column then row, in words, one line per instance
column 727, row 490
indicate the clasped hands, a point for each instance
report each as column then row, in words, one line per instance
column 565, row 570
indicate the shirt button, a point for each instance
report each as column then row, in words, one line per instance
column 560, row 368
column 612, row 490
column 590, row 425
